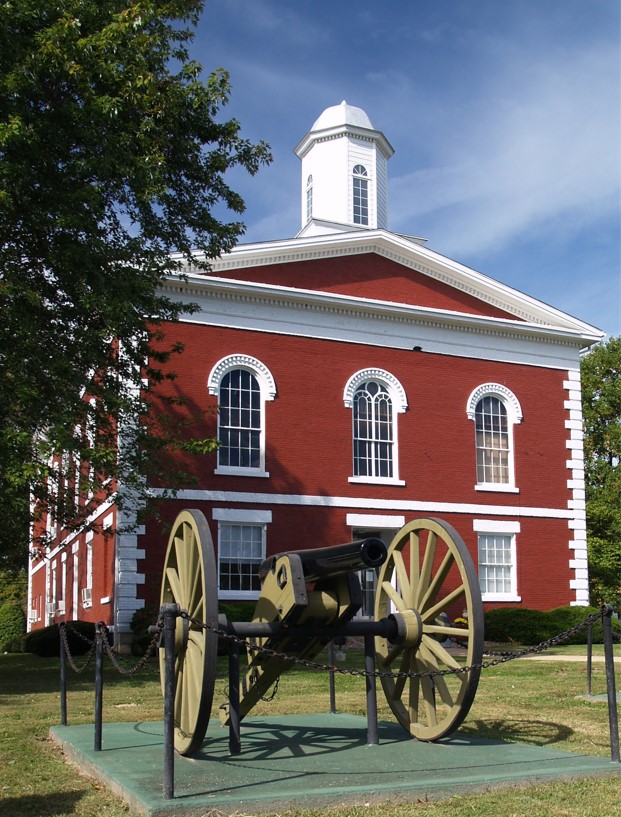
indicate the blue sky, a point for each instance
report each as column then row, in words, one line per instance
column 504, row 116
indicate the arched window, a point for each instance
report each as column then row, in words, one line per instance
column 361, row 195
column 495, row 410
column 373, row 431
column 309, row 198
column 375, row 397
column 242, row 385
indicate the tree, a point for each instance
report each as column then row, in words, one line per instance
column 111, row 158
column 601, row 405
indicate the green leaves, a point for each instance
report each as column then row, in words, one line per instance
column 111, row 158
column 601, row 407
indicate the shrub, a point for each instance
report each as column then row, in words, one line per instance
column 46, row 642
column 12, row 624
column 515, row 625
column 521, row 625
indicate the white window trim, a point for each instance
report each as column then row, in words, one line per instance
column 399, row 402
column 502, row 528
column 244, row 517
column 377, row 480
column 514, row 415
column 267, row 389
column 375, row 520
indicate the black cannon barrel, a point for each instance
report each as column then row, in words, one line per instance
column 334, row 560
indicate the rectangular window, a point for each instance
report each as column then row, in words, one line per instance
column 497, row 559
column 241, row 550
column 495, row 565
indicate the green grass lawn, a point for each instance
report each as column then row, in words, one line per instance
column 526, row 701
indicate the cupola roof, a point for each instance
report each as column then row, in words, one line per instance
column 342, row 114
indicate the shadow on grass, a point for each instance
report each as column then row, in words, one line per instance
column 536, row 733
column 27, row 673
column 41, row 805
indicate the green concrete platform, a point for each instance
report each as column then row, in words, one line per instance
column 307, row 760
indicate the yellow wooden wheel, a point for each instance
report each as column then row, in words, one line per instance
column 430, row 579
column 189, row 580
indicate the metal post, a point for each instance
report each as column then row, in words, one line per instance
column 234, row 720
column 170, row 612
column 589, row 658
column 332, row 679
column 63, row 675
column 610, row 683
column 369, row 666
column 99, row 652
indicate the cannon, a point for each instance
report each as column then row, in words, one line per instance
column 309, row 597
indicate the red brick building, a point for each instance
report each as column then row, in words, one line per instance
column 361, row 380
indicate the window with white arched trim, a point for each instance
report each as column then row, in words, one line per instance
column 243, row 385
column 494, row 410
column 375, row 397
column 361, row 195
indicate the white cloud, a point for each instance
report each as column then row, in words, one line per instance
column 542, row 142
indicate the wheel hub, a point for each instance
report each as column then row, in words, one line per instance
column 409, row 628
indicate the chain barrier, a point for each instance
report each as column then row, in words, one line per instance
column 497, row 657
column 114, row 656
column 65, row 640
column 116, row 659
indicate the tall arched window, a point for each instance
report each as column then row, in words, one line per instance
column 375, row 397
column 242, row 385
column 239, row 414
column 361, row 195
column 373, row 431
column 309, row 198
column 494, row 410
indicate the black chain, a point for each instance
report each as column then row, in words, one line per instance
column 65, row 646
column 115, row 658
column 499, row 658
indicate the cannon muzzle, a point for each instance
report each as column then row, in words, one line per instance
column 323, row 563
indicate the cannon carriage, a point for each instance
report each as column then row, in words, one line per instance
column 309, row 597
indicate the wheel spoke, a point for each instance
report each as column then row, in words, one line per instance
column 180, row 559
column 436, row 652
column 429, row 698
column 414, row 545
column 425, row 573
column 441, row 606
column 393, row 653
column 394, row 596
column 413, row 700
column 405, row 589
column 175, row 585
column 437, row 582
column 447, row 630
column 400, row 682
column 196, row 599
column 192, row 557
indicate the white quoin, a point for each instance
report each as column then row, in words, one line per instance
column 344, row 173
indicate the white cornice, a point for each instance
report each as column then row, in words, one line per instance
column 257, row 307
column 199, row 287
column 404, row 251
column 344, row 130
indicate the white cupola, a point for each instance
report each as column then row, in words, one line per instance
column 344, row 174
